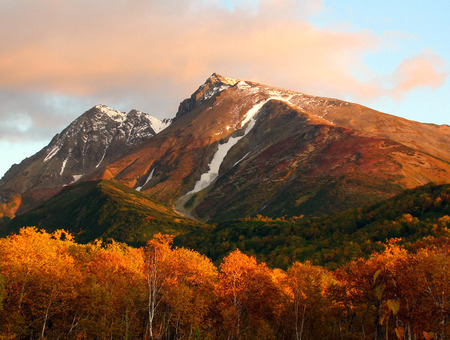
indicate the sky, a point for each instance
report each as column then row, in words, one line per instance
column 59, row 58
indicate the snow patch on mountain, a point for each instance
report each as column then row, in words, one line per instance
column 159, row 124
column 251, row 113
column 147, row 180
column 103, row 157
column 207, row 178
column 215, row 90
column 243, row 85
column 63, row 166
column 52, row 152
column 123, row 118
column 241, row 159
column 255, row 109
column 76, row 178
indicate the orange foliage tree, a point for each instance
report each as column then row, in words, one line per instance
column 111, row 297
column 248, row 297
column 424, row 301
column 52, row 287
column 157, row 272
column 40, row 279
column 405, row 293
column 190, row 293
column 180, row 287
column 306, row 300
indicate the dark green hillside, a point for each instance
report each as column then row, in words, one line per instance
column 413, row 215
column 104, row 209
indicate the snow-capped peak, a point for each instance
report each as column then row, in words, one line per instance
column 85, row 143
column 215, row 84
column 121, row 117
column 116, row 115
column 217, row 78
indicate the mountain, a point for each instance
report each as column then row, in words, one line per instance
column 97, row 137
column 102, row 210
column 238, row 148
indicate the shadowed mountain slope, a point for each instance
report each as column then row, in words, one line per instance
column 102, row 210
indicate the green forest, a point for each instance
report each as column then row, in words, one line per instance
column 329, row 241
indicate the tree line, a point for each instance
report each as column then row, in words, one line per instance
column 54, row 288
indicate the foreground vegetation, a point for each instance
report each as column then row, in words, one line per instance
column 52, row 287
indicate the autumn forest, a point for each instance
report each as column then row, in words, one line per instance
column 52, row 287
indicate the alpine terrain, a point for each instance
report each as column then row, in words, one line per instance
column 237, row 149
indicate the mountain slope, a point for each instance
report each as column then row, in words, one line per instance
column 309, row 169
column 103, row 209
column 240, row 148
column 98, row 136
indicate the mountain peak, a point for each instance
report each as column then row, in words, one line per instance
column 90, row 141
column 107, row 111
column 101, row 107
column 216, row 78
column 212, row 86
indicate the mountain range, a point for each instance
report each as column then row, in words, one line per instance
column 235, row 149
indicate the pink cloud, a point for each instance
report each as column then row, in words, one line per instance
column 165, row 49
column 422, row 70
column 83, row 49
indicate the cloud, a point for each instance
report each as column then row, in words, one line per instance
column 422, row 70
column 137, row 46
column 59, row 58
column 36, row 116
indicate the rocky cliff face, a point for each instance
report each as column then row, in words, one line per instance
column 97, row 137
